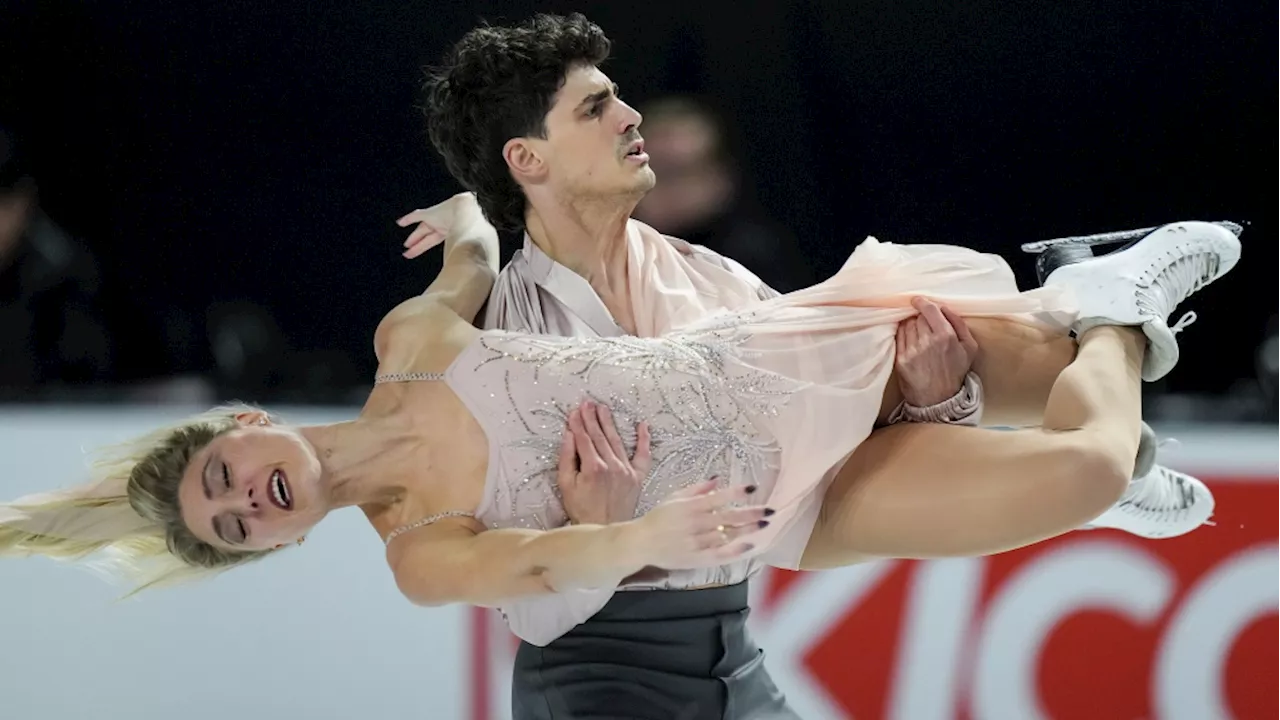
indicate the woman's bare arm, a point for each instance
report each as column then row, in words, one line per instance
column 470, row 252
column 458, row 561
column 452, row 562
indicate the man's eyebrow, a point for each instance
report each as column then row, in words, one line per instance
column 599, row 95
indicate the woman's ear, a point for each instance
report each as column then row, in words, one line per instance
column 253, row 417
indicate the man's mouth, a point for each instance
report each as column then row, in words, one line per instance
column 636, row 152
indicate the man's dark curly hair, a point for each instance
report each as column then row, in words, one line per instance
column 499, row 83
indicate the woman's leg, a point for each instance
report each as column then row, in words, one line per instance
column 920, row 491
column 1019, row 366
column 937, row 491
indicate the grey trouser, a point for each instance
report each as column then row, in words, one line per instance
column 660, row 655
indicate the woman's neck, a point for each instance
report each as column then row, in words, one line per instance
column 358, row 459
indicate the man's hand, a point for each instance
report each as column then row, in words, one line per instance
column 598, row 483
column 935, row 352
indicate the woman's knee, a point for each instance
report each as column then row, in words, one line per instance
column 1099, row 467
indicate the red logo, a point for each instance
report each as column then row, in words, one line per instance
column 1092, row 625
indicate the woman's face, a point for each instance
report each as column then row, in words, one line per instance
column 256, row 487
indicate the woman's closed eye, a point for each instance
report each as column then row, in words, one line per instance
column 232, row 529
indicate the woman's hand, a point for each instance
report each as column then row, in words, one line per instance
column 696, row 527
column 441, row 221
column 470, row 265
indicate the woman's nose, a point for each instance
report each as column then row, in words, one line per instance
column 250, row 500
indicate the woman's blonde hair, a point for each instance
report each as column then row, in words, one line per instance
column 130, row 515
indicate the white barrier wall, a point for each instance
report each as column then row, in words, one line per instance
column 321, row 633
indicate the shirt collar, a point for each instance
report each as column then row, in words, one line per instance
column 570, row 289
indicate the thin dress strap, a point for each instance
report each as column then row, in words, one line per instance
column 407, row 377
column 425, row 521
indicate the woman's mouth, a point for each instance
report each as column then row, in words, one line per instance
column 280, row 495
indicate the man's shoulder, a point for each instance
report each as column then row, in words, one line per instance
column 515, row 302
column 694, row 251
column 516, row 264
column 702, row 254
column 516, row 272
column 682, row 246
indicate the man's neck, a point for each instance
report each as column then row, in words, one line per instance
column 590, row 240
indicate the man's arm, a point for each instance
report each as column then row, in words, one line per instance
column 925, row 366
column 934, row 354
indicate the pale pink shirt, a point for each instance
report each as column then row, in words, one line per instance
column 536, row 294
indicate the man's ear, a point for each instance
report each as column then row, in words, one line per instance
column 525, row 159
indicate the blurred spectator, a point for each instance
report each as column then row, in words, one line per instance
column 52, row 327
column 700, row 196
column 248, row 348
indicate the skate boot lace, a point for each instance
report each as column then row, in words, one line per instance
column 1162, row 493
column 1175, row 282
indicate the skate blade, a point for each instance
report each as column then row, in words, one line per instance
column 1111, row 238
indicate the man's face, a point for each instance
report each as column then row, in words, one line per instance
column 593, row 146
column 15, row 208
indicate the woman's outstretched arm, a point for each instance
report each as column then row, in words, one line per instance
column 470, row 252
column 458, row 561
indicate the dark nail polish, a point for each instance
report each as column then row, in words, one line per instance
column 763, row 523
column 769, row 511
column 751, row 489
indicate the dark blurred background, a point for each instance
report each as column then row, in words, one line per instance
column 197, row 201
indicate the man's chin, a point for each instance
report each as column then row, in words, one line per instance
column 645, row 179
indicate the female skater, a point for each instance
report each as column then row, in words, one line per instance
column 452, row 457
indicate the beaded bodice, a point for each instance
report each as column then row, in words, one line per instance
column 702, row 407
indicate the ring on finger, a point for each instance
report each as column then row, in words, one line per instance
column 724, row 535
